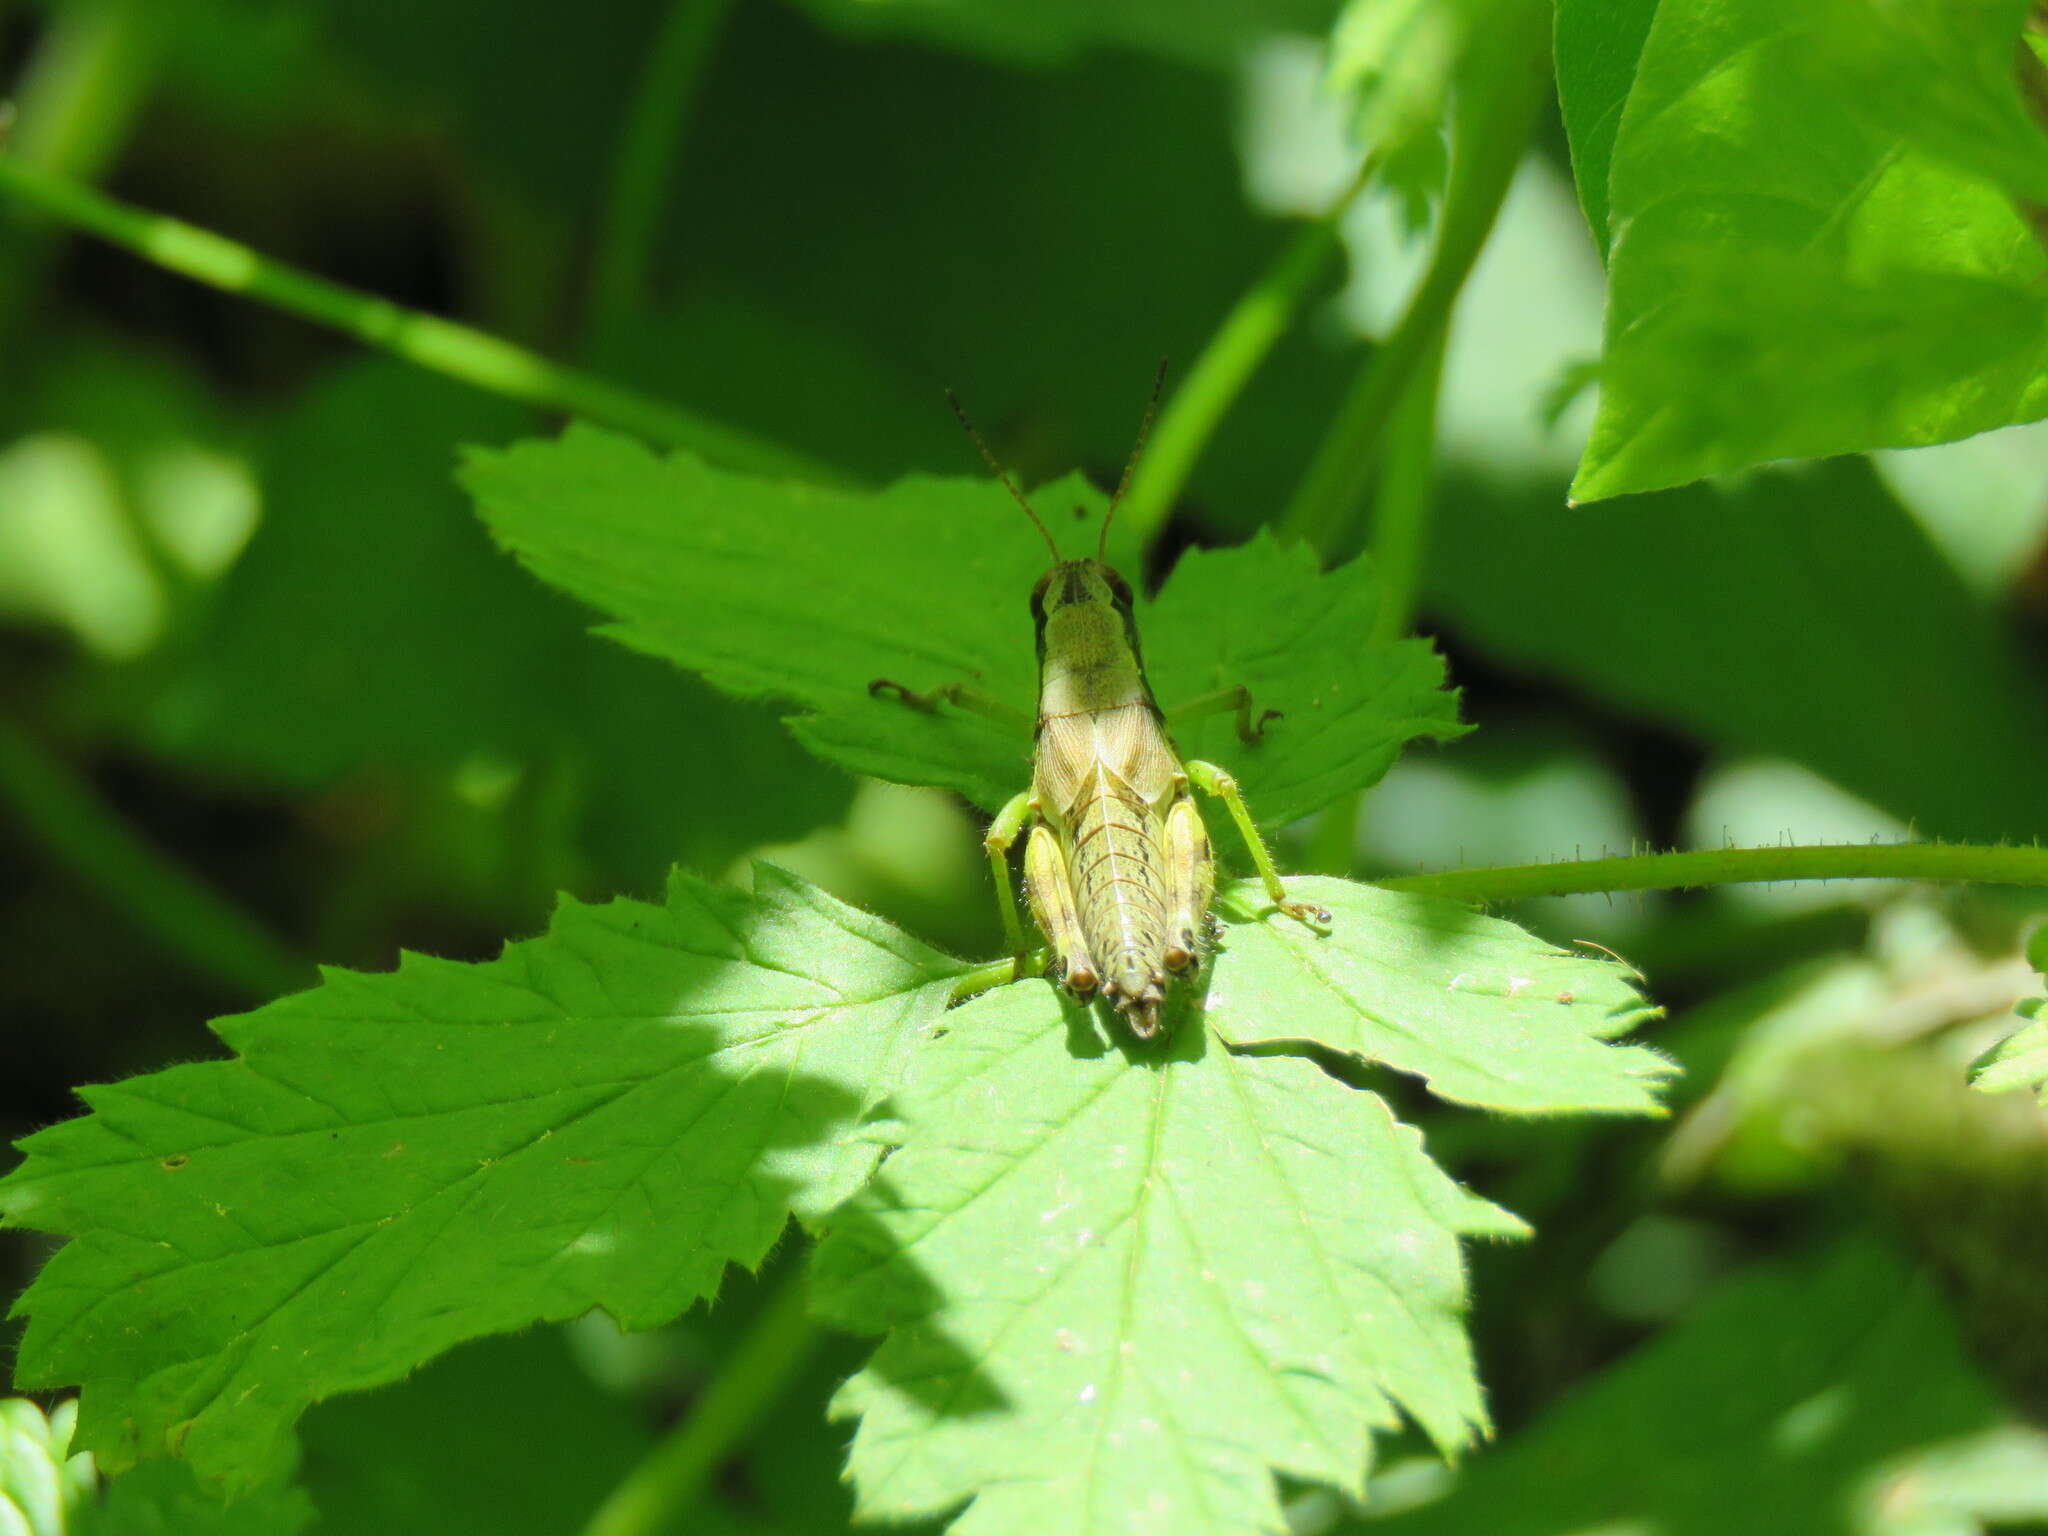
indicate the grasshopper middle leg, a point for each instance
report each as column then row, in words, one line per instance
column 1212, row 780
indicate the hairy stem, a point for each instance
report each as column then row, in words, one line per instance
column 1497, row 110
column 442, row 346
column 1258, row 320
column 215, row 937
column 650, row 146
column 669, row 1481
column 1736, row 866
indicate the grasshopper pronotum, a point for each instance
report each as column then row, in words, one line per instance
column 1117, row 864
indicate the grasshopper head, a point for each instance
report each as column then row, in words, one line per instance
column 1083, row 612
column 1075, row 583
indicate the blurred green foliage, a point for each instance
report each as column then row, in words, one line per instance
column 249, row 616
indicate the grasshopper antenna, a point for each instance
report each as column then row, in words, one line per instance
column 992, row 462
column 1137, row 449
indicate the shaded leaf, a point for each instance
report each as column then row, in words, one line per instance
column 165, row 1499
column 605, row 1116
column 504, row 1437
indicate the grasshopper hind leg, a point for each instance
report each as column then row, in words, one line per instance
column 1190, row 886
column 1051, row 895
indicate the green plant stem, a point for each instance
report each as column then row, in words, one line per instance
column 1736, row 866
column 1399, row 539
column 1498, row 108
column 76, row 104
column 443, row 346
column 210, row 933
column 650, row 145
column 1258, row 320
column 669, row 1481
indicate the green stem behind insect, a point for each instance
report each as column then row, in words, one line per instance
column 1257, row 321
column 1736, row 866
column 1498, row 104
column 643, row 167
column 669, row 1482
column 443, row 346
column 215, row 937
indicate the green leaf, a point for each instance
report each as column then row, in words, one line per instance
column 1799, row 1398
column 605, row 1116
column 1790, row 272
column 1655, row 607
column 2021, row 1059
column 799, row 593
column 1947, row 74
column 1482, row 1011
column 166, row 1499
column 1123, row 1286
column 1599, row 43
column 424, row 649
column 2018, row 1061
column 446, row 1450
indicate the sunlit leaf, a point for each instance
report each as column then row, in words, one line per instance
column 606, row 1116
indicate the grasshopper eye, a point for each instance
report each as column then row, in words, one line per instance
column 1118, row 587
column 1038, row 595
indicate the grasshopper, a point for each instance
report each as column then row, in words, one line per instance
column 1117, row 864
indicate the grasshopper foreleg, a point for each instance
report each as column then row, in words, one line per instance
column 1239, row 699
column 965, row 695
column 1212, row 780
column 1051, row 891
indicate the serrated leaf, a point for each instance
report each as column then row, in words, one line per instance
column 605, row 1116
column 1484, row 1012
column 1796, row 265
column 2021, row 1059
column 1123, row 1287
column 791, row 591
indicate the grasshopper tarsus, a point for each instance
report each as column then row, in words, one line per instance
column 1307, row 912
column 1255, row 732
